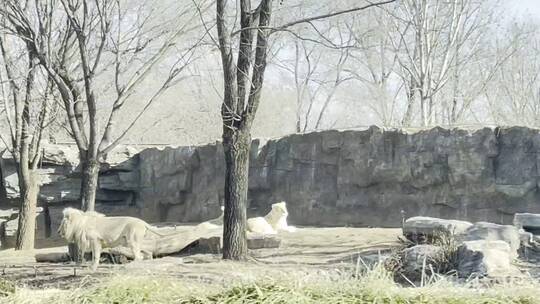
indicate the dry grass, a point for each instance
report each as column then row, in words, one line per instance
column 442, row 264
column 372, row 286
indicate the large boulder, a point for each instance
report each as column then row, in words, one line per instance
column 420, row 259
column 121, row 158
column 122, row 181
column 7, row 214
column 211, row 245
column 60, row 155
column 255, row 241
column 528, row 221
column 494, row 232
column 526, row 238
column 484, row 258
column 420, row 228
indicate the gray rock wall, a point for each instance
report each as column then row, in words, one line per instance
column 60, row 185
column 331, row 178
column 358, row 178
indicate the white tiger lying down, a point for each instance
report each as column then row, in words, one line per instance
column 91, row 231
column 273, row 222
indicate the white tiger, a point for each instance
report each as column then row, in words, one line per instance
column 273, row 222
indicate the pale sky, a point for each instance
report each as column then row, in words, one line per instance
column 528, row 7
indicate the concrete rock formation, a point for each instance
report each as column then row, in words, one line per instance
column 481, row 249
column 494, row 232
column 528, row 221
column 372, row 177
column 420, row 260
column 419, row 229
column 357, row 178
column 483, row 258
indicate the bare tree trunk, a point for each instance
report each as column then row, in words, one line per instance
column 453, row 113
column 430, row 114
column 3, row 192
column 29, row 188
column 236, row 146
column 237, row 115
column 89, row 183
column 27, row 175
column 407, row 118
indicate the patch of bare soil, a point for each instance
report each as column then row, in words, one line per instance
column 306, row 252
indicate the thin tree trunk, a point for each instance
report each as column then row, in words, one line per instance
column 27, row 214
column 236, row 146
column 431, row 109
column 28, row 184
column 4, row 202
column 89, row 183
column 422, row 111
column 411, row 95
column 325, row 107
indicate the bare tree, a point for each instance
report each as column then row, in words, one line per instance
column 106, row 46
column 316, row 79
column 513, row 95
column 374, row 63
column 304, row 69
column 340, row 76
column 431, row 40
column 243, row 80
column 25, row 92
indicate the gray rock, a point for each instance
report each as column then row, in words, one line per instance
column 420, row 227
column 526, row 239
column 61, row 191
column 122, row 181
column 10, row 227
column 52, row 257
column 60, row 155
column 485, row 258
column 8, row 213
column 9, row 233
column 11, row 180
column 420, row 259
column 494, row 232
column 121, row 158
column 210, row 245
column 330, row 178
column 528, row 221
column 263, row 241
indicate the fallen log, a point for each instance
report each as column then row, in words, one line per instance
column 257, row 241
column 168, row 244
column 203, row 245
column 52, row 257
column 201, row 239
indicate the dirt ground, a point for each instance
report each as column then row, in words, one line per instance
column 308, row 251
